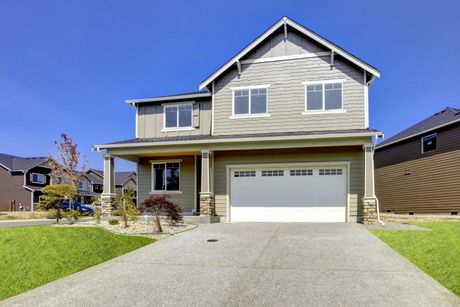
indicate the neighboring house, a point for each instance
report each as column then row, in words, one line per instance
column 123, row 181
column 21, row 181
column 418, row 169
column 280, row 132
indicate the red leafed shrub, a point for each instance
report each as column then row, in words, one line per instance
column 162, row 205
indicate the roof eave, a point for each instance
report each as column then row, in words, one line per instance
column 417, row 134
column 246, row 140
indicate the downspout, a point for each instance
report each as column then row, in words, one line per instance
column 376, row 199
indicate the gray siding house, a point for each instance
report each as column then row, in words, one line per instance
column 279, row 133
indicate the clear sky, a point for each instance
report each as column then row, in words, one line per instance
column 68, row 66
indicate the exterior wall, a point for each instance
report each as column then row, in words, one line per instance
column 276, row 46
column 411, row 149
column 11, row 187
column 130, row 184
column 353, row 154
column 187, row 181
column 431, row 180
column 432, row 186
column 286, row 96
column 39, row 170
column 150, row 120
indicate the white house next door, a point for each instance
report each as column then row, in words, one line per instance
column 289, row 194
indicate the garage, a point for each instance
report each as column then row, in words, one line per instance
column 288, row 194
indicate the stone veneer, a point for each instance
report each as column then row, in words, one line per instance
column 369, row 215
column 206, row 204
column 108, row 203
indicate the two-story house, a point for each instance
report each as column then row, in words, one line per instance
column 425, row 160
column 278, row 133
column 124, row 181
column 21, row 181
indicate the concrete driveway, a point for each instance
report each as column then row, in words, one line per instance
column 251, row 264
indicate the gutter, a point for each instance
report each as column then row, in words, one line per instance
column 98, row 148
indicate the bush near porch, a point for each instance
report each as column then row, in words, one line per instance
column 33, row 256
column 436, row 252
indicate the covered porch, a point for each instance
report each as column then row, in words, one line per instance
column 198, row 175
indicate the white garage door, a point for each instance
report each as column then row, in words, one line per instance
column 296, row 194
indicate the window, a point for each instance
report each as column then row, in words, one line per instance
column 165, row 176
column 429, row 142
column 250, row 101
column 244, row 174
column 272, row 173
column 330, row 171
column 301, row 172
column 178, row 116
column 323, row 96
column 82, row 185
column 38, row 178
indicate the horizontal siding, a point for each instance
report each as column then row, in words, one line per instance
column 150, row 120
column 448, row 140
column 187, row 181
column 432, row 186
column 354, row 155
column 286, row 96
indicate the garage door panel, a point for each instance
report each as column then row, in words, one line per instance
column 289, row 197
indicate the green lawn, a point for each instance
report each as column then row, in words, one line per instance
column 33, row 256
column 436, row 252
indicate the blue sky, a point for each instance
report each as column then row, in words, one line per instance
column 64, row 64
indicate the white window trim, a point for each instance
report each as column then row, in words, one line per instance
column 323, row 110
column 249, row 88
column 152, row 188
column 43, row 181
column 423, row 140
column 177, row 128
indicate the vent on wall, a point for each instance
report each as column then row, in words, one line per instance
column 407, row 172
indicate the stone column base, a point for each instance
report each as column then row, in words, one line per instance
column 108, row 203
column 369, row 213
column 207, row 204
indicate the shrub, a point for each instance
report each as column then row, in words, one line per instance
column 52, row 214
column 116, row 212
column 160, row 204
column 114, row 222
column 133, row 214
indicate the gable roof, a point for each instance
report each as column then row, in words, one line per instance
column 305, row 31
column 443, row 118
column 20, row 164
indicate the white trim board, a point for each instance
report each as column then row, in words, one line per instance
column 281, row 23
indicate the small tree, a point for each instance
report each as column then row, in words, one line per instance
column 54, row 194
column 64, row 168
column 160, row 204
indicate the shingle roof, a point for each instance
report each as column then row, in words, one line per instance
column 95, row 176
column 239, row 136
column 444, row 117
column 15, row 163
column 122, row 177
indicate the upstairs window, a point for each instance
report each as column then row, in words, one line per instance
column 178, row 116
column 250, row 101
column 38, row 178
column 166, row 177
column 323, row 95
column 429, row 143
column 82, row 185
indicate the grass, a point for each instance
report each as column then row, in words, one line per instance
column 436, row 252
column 33, row 256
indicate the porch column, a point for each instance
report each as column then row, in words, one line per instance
column 109, row 196
column 206, row 194
column 369, row 211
